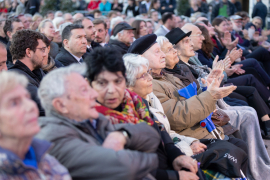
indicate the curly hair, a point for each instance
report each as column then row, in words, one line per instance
column 101, row 59
column 207, row 46
column 22, row 40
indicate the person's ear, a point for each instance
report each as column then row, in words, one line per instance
column 65, row 42
column 59, row 106
column 28, row 52
column 9, row 34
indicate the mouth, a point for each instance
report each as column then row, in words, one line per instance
column 111, row 101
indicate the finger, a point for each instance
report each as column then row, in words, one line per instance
column 215, row 60
column 203, row 81
column 203, row 146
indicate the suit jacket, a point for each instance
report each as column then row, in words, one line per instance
column 161, row 31
column 164, row 3
column 65, row 57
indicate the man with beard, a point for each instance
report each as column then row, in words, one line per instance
column 74, row 45
column 90, row 31
column 101, row 31
column 29, row 57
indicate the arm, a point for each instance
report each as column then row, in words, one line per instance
column 83, row 159
column 182, row 113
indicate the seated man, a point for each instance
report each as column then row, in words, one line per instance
column 86, row 143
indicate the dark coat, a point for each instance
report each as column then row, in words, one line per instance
column 133, row 9
column 65, row 57
column 3, row 40
column 118, row 45
column 9, row 56
column 54, row 49
column 260, row 10
column 32, row 6
column 163, row 3
column 34, row 77
column 215, row 11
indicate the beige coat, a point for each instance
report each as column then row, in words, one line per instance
column 184, row 114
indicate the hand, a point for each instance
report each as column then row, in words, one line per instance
column 245, row 33
column 214, row 74
column 187, row 162
column 235, row 54
column 163, row 7
column 198, row 147
column 218, row 92
column 256, row 36
column 227, row 41
column 115, row 140
column 238, row 69
column 185, row 175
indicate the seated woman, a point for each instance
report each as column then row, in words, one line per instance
column 106, row 74
column 240, row 117
column 48, row 62
column 141, row 28
column 23, row 156
column 140, row 81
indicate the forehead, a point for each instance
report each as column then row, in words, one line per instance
column 99, row 26
column 77, row 32
column 196, row 30
column 75, row 80
column 109, row 76
column 167, row 44
column 41, row 43
column 153, row 48
column 17, row 24
column 87, row 22
column 48, row 23
column 13, row 92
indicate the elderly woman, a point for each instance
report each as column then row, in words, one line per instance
column 37, row 18
column 106, row 74
column 243, row 118
column 46, row 27
column 22, row 156
column 48, row 63
column 140, row 81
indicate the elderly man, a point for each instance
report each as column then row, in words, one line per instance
column 90, row 31
column 241, row 117
column 122, row 37
column 82, row 136
column 68, row 17
column 169, row 22
column 78, row 16
column 74, row 45
column 25, row 21
column 29, row 57
column 184, row 114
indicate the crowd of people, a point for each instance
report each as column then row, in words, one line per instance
column 135, row 93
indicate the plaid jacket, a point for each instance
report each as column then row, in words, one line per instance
column 13, row 168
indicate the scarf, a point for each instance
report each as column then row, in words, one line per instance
column 50, row 66
column 133, row 110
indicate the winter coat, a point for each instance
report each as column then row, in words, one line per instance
column 119, row 46
column 12, row 167
column 78, row 146
column 184, row 114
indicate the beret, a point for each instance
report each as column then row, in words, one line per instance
column 176, row 35
column 142, row 44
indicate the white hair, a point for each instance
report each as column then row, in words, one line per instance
column 134, row 65
column 28, row 15
column 161, row 40
column 53, row 85
column 57, row 13
column 56, row 21
column 115, row 21
column 116, row 36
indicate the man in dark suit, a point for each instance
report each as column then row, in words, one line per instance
column 90, row 31
column 260, row 10
column 74, row 45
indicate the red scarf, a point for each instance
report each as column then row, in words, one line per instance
column 134, row 110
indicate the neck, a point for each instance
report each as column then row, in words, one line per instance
column 169, row 67
column 26, row 61
column 17, row 146
column 89, row 43
column 184, row 58
column 156, row 71
column 2, row 34
column 167, row 26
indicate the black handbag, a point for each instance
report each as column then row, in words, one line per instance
column 222, row 156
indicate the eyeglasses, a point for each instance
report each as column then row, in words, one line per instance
column 145, row 75
column 198, row 35
column 42, row 49
column 170, row 50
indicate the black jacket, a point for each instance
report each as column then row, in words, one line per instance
column 215, row 11
column 260, row 10
column 163, row 3
column 65, row 57
column 118, row 45
column 32, row 6
column 3, row 40
column 133, row 9
column 9, row 56
column 34, row 77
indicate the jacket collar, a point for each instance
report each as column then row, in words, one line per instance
column 118, row 43
column 8, row 159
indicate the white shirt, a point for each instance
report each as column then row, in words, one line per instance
column 102, row 44
column 78, row 59
column 165, row 28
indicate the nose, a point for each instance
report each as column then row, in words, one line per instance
column 163, row 54
column 93, row 94
column 203, row 38
column 30, row 105
column 84, row 41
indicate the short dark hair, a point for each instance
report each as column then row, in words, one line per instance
column 166, row 16
column 67, row 30
column 96, row 11
column 8, row 25
column 101, row 59
column 100, row 21
column 49, row 12
column 22, row 40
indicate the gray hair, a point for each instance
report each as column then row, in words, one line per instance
column 134, row 65
column 43, row 23
column 10, row 80
column 57, row 13
column 56, row 21
column 28, row 15
column 161, row 40
column 116, row 36
column 257, row 17
column 53, row 85
column 115, row 20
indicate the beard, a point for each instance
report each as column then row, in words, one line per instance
column 37, row 63
column 236, row 28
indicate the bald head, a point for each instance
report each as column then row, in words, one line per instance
column 78, row 16
column 196, row 35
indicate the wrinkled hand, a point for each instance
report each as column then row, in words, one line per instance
column 238, row 69
column 187, row 162
column 115, row 140
column 185, row 175
column 227, row 41
column 219, row 92
column 214, row 74
column 198, row 147
column 235, row 54
column 230, row 71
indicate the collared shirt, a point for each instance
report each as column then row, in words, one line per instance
column 165, row 28
column 102, row 44
column 78, row 59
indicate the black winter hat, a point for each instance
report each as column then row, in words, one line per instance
column 176, row 35
column 142, row 44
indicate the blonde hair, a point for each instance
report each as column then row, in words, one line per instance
column 43, row 23
column 10, row 80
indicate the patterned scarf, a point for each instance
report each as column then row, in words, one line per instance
column 134, row 110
